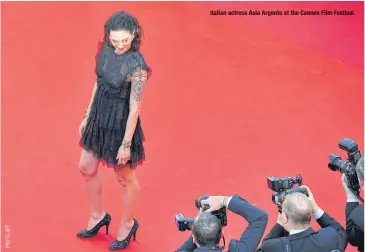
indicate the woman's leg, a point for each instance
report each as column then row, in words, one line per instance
column 127, row 178
column 89, row 170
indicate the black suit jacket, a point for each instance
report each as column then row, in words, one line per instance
column 355, row 224
column 331, row 236
column 250, row 238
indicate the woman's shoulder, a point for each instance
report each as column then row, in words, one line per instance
column 137, row 62
column 137, row 59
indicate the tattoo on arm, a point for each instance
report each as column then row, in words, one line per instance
column 139, row 78
column 126, row 144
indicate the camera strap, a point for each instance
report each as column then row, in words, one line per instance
column 286, row 244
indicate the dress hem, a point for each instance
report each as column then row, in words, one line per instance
column 133, row 165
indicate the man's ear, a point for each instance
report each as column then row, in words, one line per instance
column 194, row 240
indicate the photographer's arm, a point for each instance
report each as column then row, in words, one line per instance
column 257, row 220
column 276, row 232
column 350, row 207
column 354, row 219
column 352, row 201
column 326, row 221
column 323, row 219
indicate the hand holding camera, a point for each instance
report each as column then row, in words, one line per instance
column 311, row 198
column 348, row 167
column 345, row 185
column 284, row 186
column 214, row 203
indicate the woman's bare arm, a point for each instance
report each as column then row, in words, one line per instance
column 138, row 81
column 92, row 99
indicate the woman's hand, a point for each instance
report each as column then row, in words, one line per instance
column 82, row 125
column 124, row 153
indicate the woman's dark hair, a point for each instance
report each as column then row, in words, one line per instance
column 123, row 20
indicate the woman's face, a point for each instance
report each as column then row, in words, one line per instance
column 121, row 40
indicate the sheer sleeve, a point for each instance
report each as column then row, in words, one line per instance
column 139, row 73
column 138, row 66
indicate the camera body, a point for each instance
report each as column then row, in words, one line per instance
column 184, row 224
column 284, row 186
column 347, row 167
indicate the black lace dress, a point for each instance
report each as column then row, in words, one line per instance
column 106, row 125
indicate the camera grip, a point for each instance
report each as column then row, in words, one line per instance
column 221, row 213
column 198, row 202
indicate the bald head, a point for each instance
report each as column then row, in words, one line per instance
column 207, row 230
column 298, row 208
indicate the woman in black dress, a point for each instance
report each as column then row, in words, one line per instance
column 111, row 130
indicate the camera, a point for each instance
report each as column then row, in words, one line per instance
column 184, row 224
column 353, row 155
column 347, row 167
column 284, row 186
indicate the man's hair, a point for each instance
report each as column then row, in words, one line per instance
column 207, row 230
column 360, row 169
column 298, row 208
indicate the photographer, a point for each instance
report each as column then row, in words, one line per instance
column 207, row 229
column 354, row 211
column 293, row 233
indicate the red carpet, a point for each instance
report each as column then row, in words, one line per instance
column 229, row 103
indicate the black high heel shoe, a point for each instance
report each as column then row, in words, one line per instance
column 116, row 245
column 93, row 232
